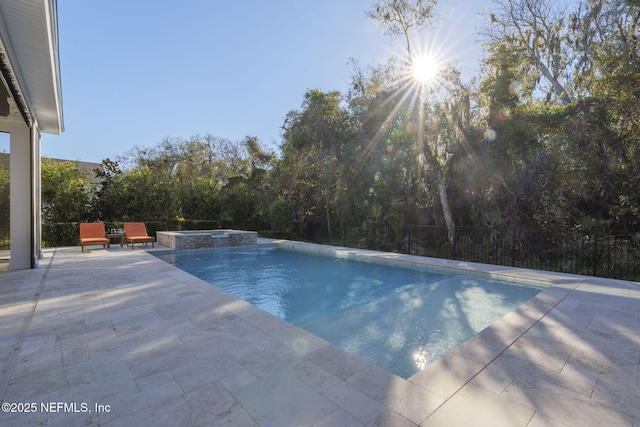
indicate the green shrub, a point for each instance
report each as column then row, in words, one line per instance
column 60, row 234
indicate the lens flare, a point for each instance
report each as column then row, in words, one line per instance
column 490, row 135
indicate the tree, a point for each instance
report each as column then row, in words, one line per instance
column 108, row 174
column 240, row 201
column 379, row 168
column 199, row 198
column 143, row 197
column 67, row 192
column 313, row 138
column 185, row 178
column 563, row 87
column 536, row 31
column 401, row 17
column 558, row 47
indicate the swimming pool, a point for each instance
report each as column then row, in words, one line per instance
column 400, row 318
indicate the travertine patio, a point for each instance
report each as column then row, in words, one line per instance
column 120, row 338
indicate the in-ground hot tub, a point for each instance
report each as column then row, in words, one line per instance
column 194, row 239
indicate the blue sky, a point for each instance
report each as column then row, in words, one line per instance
column 135, row 72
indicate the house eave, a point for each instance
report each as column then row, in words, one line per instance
column 29, row 61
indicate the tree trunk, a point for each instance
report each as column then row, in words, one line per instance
column 446, row 211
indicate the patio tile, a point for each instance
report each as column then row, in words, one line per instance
column 618, row 394
column 391, row 418
column 485, row 346
column 25, row 388
column 340, row 418
column 261, row 341
column 36, row 344
column 101, row 391
column 544, row 328
column 75, row 420
column 181, row 308
column 172, row 412
column 265, row 362
column 571, row 318
column 549, row 353
column 24, row 419
column 475, row 406
column 497, row 376
column 540, row 420
column 238, row 380
column 265, row 322
column 338, row 362
column 361, row 406
column 134, row 319
column 314, row 375
column 189, row 375
column 299, row 340
column 213, row 318
column 283, row 399
column 154, row 380
column 14, row 311
column 204, row 345
column 126, row 404
column 621, row 365
column 236, row 417
column 181, row 327
column 160, row 358
column 404, row 397
column 34, row 364
column 566, row 397
column 446, row 375
column 213, row 403
column 574, row 410
column 536, row 379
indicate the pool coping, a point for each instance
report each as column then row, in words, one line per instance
column 558, row 347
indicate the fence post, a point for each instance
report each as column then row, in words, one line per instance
column 513, row 247
column 595, row 253
column 373, row 236
column 455, row 237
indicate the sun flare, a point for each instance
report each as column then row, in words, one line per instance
column 425, row 69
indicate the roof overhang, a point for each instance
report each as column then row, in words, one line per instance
column 29, row 61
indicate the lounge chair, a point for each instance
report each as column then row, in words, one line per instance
column 137, row 232
column 92, row 233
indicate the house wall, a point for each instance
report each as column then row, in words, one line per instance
column 24, row 190
column 30, row 102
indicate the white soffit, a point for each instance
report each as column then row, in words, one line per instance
column 29, row 36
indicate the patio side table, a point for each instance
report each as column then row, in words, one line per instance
column 115, row 236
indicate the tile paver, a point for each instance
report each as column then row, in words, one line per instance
column 160, row 347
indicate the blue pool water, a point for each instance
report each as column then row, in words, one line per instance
column 397, row 317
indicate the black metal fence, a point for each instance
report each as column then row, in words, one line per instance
column 593, row 253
